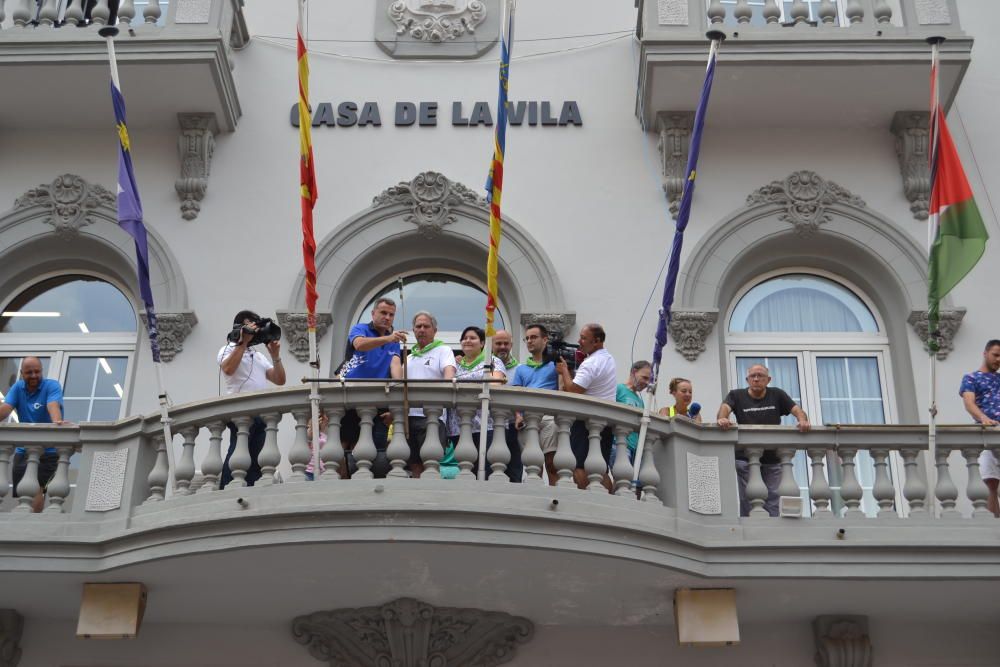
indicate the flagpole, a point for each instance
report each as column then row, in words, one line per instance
column 109, row 33
column 402, row 360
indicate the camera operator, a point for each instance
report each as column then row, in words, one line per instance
column 247, row 369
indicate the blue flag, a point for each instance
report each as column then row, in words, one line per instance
column 683, row 214
column 130, row 217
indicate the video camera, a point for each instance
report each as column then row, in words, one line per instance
column 557, row 349
column 266, row 332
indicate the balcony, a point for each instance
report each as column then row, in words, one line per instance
column 798, row 63
column 173, row 57
column 560, row 549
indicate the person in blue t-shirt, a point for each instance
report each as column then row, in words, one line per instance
column 980, row 391
column 36, row 400
column 539, row 372
column 372, row 354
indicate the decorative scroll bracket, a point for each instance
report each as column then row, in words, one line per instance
column 70, row 202
column 296, row 328
column 195, row 147
column 558, row 324
column 948, row 323
column 172, row 328
column 431, row 197
column 806, row 196
column 690, row 329
column 842, row 641
column 11, row 629
column 912, row 142
column 674, row 130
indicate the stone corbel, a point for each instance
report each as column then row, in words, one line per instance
column 674, row 130
column 558, row 324
column 912, row 142
column 195, row 147
column 842, row 641
column 172, row 328
column 689, row 330
column 296, row 328
column 948, row 323
column 11, row 628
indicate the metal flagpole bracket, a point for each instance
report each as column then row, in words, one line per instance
column 108, row 31
column 715, row 35
column 936, row 40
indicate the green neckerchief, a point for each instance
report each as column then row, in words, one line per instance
column 531, row 363
column 418, row 351
column 472, row 364
column 510, row 364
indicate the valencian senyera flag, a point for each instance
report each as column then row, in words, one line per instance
column 130, row 217
column 684, row 212
column 494, row 184
column 307, row 173
column 958, row 235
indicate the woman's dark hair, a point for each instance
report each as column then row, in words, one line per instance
column 480, row 334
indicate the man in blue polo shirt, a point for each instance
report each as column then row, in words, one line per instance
column 373, row 355
column 538, row 372
column 36, row 400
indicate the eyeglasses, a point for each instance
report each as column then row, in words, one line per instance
column 528, row 339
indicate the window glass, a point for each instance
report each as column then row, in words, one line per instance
column 801, row 303
column 94, row 388
column 69, row 304
column 456, row 303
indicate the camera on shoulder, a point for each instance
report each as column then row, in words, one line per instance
column 558, row 349
column 267, row 331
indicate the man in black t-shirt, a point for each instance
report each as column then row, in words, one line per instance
column 759, row 404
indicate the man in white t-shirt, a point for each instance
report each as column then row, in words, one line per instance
column 430, row 359
column 596, row 376
column 247, row 369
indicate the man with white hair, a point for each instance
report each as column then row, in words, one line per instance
column 430, row 359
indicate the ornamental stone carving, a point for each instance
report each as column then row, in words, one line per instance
column 410, row 633
column 806, row 196
column 910, row 129
column 674, row 128
column 11, row 628
column 195, row 147
column 842, row 641
column 172, row 329
column 690, row 329
column 296, row 329
column 70, row 202
column 436, row 20
column 948, row 323
column 431, row 197
column 453, row 29
column 558, row 324
column 672, row 12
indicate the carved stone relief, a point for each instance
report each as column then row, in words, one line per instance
column 11, row 628
column 704, row 484
column 296, row 329
column 436, row 28
column 558, row 324
column 107, row 480
column 842, row 641
column 172, row 329
column 690, row 329
column 806, row 197
column 70, row 202
column 436, row 20
column 933, row 12
column 674, row 129
column 431, row 197
column 672, row 12
column 193, row 11
column 195, row 147
column 948, row 323
column 410, row 633
column 910, row 129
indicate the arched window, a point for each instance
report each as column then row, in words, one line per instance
column 84, row 331
column 456, row 303
column 823, row 343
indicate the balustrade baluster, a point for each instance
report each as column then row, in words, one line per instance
column 498, row 453
column 299, row 454
column 788, row 486
column 211, row 466
column 743, row 14
column 465, row 451
column 270, row 455
column 850, row 489
column 6, row 454
column 332, row 453
column 74, row 12
column 157, row 478
column 28, row 486
column 622, row 470
column 855, row 12
column 126, row 12
column 976, row 489
column 239, row 462
column 594, row 464
column 883, row 491
column 915, row 486
column 21, row 14
column 819, row 487
column 946, row 492
column 365, row 452
column 716, row 12
column 398, row 450
column 882, row 12
column 756, row 489
column 3, row 15
column 799, row 12
column 565, row 460
column 772, row 14
column 531, row 453
column 828, row 12
column 151, row 13
column 58, row 488
column 49, row 13
column 431, row 451
column 101, row 12
column 184, row 470
column 649, row 476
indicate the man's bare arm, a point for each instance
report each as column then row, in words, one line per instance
column 969, row 400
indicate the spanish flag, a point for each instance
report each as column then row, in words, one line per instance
column 307, row 173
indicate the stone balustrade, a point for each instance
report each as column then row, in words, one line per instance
column 688, row 468
column 28, row 14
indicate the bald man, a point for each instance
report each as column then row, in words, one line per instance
column 37, row 400
column 502, row 349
